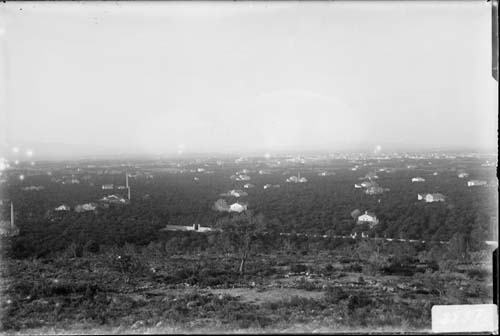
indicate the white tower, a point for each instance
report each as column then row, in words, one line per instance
column 127, row 185
column 12, row 225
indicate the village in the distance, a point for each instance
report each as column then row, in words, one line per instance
column 316, row 242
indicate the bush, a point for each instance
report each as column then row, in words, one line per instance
column 335, row 294
column 355, row 267
column 477, row 273
column 358, row 300
column 298, row 268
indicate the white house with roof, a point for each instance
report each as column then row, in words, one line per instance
column 296, row 179
column 248, row 185
column 107, row 186
column 374, row 190
column 238, row 207
column 476, row 183
column 62, row 207
column 367, row 184
column 237, row 193
column 114, row 199
column 192, row 228
column 430, row 198
column 418, row 179
column 368, row 218
column 85, row 207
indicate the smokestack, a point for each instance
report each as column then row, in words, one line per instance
column 12, row 215
column 127, row 185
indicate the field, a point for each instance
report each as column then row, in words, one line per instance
column 280, row 266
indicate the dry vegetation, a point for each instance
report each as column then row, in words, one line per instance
column 133, row 289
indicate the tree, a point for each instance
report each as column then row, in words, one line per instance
column 242, row 232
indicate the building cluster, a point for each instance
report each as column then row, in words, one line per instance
column 240, row 177
column 326, row 173
column 193, row 228
column 296, row 179
column 431, row 198
column 371, row 187
column 33, row 188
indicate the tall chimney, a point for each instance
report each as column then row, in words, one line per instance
column 12, row 215
column 127, row 185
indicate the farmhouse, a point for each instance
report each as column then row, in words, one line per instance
column 375, row 190
column 237, row 193
column 238, row 207
column 430, row 198
column 367, row 184
column 85, row 207
column 475, row 183
column 193, row 228
column 296, row 179
column 62, row 207
column 368, row 218
column 33, row 188
column 114, row 199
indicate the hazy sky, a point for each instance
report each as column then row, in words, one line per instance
column 242, row 76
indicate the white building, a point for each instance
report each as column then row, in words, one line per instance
column 62, row 207
column 107, row 186
column 463, row 175
column 296, row 179
column 237, row 193
column 33, row 188
column 238, row 207
column 475, row 183
column 193, row 228
column 367, row 184
column 248, row 185
column 430, row 198
column 368, row 218
column 114, row 199
column 374, row 190
column 418, row 179
column 85, row 207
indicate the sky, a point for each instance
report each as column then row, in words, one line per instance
column 167, row 77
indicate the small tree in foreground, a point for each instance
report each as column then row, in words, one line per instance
column 243, row 232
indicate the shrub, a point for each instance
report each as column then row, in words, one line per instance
column 335, row 294
column 298, row 268
column 358, row 300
